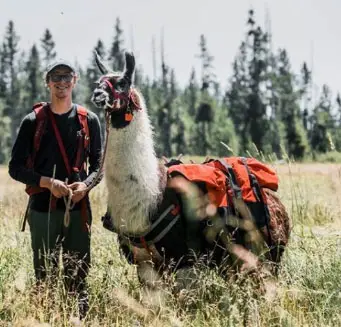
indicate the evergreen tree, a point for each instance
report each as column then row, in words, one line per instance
column 245, row 97
column 48, row 47
column 34, row 83
column 237, row 95
column 223, row 131
column 337, row 130
column 179, row 139
column 275, row 136
column 322, row 122
column 12, row 99
column 305, row 94
column 92, row 75
column 164, row 95
column 205, row 112
column 257, row 122
column 116, row 55
column 338, row 104
column 191, row 94
column 296, row 138
column 3, row 71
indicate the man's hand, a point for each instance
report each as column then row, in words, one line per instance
column 78, row 190
column 57, row 187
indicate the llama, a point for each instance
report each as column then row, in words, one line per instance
column 137, row 181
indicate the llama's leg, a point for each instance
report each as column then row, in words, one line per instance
column 278, row 233
column 149, row 275
column 186, row 279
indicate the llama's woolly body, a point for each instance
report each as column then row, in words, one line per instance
column 132, row 174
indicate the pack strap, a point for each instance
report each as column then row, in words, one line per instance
column 60, row 143
column 237, row 192
column 83, row 137
column 83, row 119
column 40, row 111
column 258, row 194
column 253, row 182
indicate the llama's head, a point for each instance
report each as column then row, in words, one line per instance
column 114, row 91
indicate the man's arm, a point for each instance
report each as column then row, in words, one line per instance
column 22, row 149
column 95, row 154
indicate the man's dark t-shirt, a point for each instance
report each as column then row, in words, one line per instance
column 49, row 154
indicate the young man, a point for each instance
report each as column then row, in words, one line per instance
column 50, row 182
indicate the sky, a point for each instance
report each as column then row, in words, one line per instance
column 308, row 29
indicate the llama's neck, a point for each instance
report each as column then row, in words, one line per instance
column 132, row 175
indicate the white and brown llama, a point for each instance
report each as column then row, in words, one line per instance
column 137, row 180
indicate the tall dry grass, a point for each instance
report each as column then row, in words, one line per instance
column 307, row 292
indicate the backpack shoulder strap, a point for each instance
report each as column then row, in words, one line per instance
column 83, row 120
column 40, row 112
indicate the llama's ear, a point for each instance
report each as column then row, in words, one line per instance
column 129, row 67
column 102, row 67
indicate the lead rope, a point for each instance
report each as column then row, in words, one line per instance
column 68, row 199
column 68, row 207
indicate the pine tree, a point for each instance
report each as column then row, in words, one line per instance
column 92, row 75
column 116, row 55
column 3, row 71
column 48, row 47
column 257, row 118
column 237, row 94
column 12, row 99
column 322, row 122
column 205, row 112
column 245, row 97
column 305, row 94
column 165, row 93
column 338, row 103
column 34, row 84
column 296, row 138
column 49, row 54
column 275, row 136
column 191, row 94
column 179, row 139
column 223, row 131
column 337, row 131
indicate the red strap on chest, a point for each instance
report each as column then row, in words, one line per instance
column 60, row 143
column 82, row 143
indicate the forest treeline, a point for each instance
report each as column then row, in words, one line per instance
column 265, row 106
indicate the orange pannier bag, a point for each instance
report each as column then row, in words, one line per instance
column 244, row 177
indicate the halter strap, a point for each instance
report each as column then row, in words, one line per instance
column 127, row 99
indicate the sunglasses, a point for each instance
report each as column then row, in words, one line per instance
column 55, row 78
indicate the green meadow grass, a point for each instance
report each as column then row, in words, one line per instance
column 306, row 293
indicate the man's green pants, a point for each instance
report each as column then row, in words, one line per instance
column 50, row 237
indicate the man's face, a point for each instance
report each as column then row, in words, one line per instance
column 61, row 81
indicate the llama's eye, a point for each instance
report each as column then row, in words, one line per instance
column 120, row 86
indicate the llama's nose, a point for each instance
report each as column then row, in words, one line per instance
column 97, row 93
column 99, row 97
